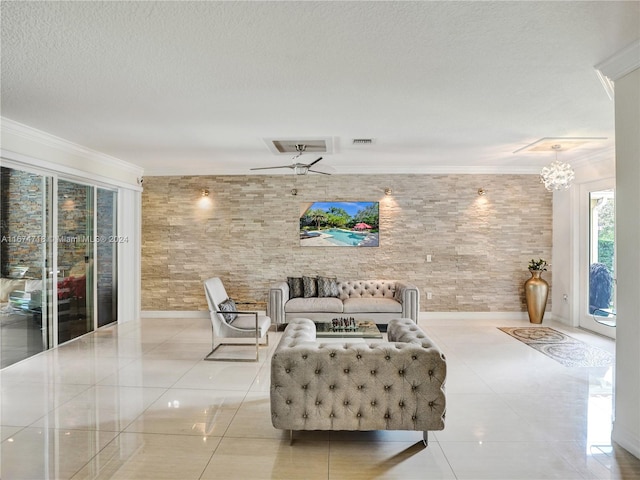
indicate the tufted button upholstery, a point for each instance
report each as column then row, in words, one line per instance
column 395, row 385
column 367, row 289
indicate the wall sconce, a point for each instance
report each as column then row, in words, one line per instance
column 481, row 191
column 205, row 192
column 387, row 191
column 294, row 191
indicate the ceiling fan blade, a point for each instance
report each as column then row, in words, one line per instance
column 318, row 171
column 269, row 168
column 314, row 162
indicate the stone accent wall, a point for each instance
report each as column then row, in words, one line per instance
column 73, row 214
column 21, row 215
column 246, row 232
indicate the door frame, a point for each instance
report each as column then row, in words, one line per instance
column 585, row 319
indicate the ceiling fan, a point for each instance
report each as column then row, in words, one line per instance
column 298, row 167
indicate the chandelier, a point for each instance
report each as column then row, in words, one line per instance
column 558, row 175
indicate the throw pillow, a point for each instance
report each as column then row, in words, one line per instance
column 296, row 287
column 228, row 306
column 328, row 287
column 310, row 285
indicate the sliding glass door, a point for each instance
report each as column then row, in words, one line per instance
column 24, row 229
column 75, row 244
column 58, row 261
column 106, row 256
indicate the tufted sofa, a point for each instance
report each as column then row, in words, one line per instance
column 394, row 385
column 376, row 300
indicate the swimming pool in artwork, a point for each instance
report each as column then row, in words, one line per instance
column 344, row 237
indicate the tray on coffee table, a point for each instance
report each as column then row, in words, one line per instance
column 360, row 329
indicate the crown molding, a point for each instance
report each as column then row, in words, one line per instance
column 46, row 139
column 618, row 65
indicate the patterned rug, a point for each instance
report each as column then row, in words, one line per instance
column 562, row 348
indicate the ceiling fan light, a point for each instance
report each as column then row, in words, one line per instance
column 301, row 169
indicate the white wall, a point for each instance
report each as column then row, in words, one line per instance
column 626, row 430
column 561, row 259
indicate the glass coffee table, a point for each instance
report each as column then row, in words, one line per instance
column 357, row 329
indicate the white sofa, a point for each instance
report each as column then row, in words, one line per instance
column 393, row 385
column 376, row 300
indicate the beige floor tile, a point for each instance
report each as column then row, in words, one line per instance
column 36, row 453
column 8, row 432
column 101, row 408
column 25, row 403
column 138, row 456
column 254, row 418
column 190, row 412
column 253, row 459
column 385, row 460
column 220, row 376
column 179, row 351
column 508, row 460
column 262, row 381
column 150, row 372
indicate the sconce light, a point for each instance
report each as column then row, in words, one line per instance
column 387, row 191
column 294, row 191
column 481, row 191
column 205, row 192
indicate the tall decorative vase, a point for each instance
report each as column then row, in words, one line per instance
column 536, row 291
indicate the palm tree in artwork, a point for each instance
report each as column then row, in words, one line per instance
column 318, row 216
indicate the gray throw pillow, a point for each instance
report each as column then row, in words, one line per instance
column 328, row 287
column 228, row 306
column 310, row 285
column 296, row 287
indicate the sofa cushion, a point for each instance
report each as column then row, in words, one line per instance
column 314, row 304
column 296, row 287
column 367, row 289
column 371, row 305
column 310, row 285
column 328, row 287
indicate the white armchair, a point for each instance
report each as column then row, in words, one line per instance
column 228, row 322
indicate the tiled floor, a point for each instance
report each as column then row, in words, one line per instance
column 136, row 401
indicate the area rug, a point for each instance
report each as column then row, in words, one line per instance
column 561, row 347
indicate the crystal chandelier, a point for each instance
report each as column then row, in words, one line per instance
column 558, row 175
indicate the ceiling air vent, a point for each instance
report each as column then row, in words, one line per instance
column 287, row 146
column 362, row 141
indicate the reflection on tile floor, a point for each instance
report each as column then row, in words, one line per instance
column 137, row 401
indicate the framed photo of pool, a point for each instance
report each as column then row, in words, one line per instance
column 340, row 224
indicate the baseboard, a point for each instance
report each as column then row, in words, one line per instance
column 426, row 316
column 628, row 440
column 174, row 314
column 186, row 314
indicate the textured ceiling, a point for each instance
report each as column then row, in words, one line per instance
column 197, row 87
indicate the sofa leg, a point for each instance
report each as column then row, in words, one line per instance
column 290, row 437
column 425, row 438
